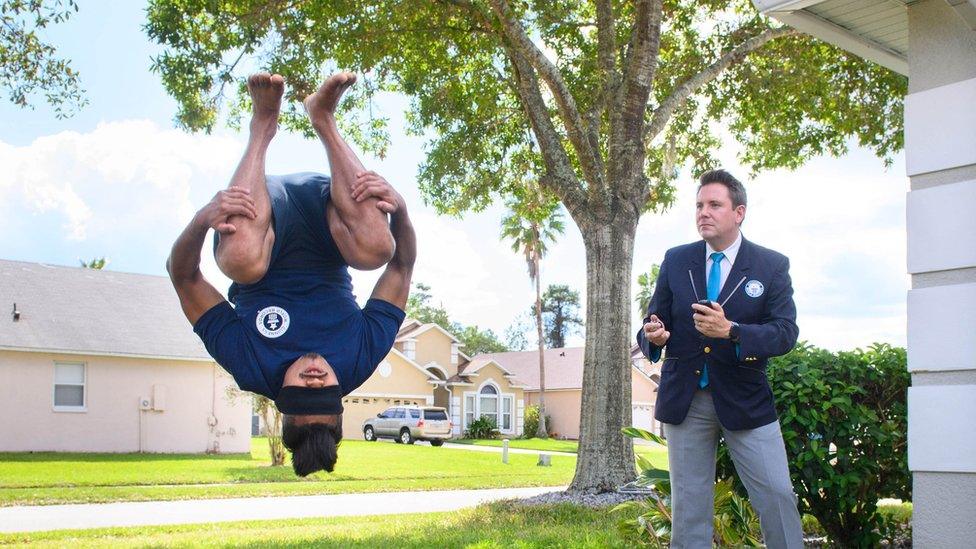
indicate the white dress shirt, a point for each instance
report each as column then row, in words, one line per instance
column 727, row 261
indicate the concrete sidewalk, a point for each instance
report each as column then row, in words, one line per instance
column 147, row 513
column 498, row 449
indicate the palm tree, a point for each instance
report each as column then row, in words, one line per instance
column 98, row 263
column 646, row 283
column 532, row 222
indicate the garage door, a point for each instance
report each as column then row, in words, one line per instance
column 356, row 410
column 643, row 417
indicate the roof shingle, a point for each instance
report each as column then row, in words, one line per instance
column 78, row 310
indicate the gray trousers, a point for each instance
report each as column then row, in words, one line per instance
column 760, row 460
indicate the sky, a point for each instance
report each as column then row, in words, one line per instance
column 119, row 180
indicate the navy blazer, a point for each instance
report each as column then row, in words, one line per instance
column 762, row 304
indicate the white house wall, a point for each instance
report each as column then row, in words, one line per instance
column 940, row 152
column 945, row 412
column 941, row 322
column 940, row 128
column 938, row 216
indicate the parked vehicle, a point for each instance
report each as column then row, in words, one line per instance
column 408, row 424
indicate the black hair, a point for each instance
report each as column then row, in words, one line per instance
column 737, row 191
column 313, row 446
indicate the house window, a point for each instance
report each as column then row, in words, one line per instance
column 410, row 349
column 506, row 413
column 69, row 386
column 468, row 409
column 489, row 403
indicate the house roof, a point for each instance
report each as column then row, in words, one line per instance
column 85, row 311
column 564, row 367
column 407, row 333
column 480, row 362
column 408, row 325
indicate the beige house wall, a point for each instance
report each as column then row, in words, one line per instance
column 642, row 390
column 401, row 377
column 563, row 406
column 196, row 414
column 395, row 382
column 434, row 346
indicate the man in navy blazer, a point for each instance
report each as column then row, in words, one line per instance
column 713, row 380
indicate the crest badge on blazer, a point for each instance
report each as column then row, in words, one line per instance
column 754, row 288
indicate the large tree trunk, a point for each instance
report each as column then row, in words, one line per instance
column 606, row 457
column 541, row 431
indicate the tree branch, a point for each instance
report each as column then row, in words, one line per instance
column 560, row 177
column 606, row 37
column 693, row 84
column 588, row 152
column 641, row 62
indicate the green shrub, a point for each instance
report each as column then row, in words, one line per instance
column 531, row 422
column 483, row 427
column 844, row 423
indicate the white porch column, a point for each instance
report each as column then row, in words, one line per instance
column 940, row 155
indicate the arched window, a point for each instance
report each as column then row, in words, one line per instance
column 489, row 402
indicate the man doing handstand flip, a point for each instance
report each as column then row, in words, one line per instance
column 295, row 333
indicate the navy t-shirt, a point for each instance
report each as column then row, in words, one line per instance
column 303, row 304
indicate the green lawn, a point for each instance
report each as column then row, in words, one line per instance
column 555, row 445
column 543, row 445
column 489, row 526
column 49, row 478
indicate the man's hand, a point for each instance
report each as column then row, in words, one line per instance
column 711, row 321
column 654, row 331
column 226, row 204
column 372, row 185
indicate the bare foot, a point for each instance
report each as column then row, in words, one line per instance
column 266, row 91
column 321, row 105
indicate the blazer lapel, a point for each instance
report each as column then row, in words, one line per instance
column 739, row 270
column 697, row 270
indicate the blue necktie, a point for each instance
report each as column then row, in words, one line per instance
column 713, row 288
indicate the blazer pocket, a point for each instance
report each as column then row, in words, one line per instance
column 751, row 374
column 670, row 364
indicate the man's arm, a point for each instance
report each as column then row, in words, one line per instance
column 654, row 334
column 776, row 334
column 394, row 284
column 197, row 296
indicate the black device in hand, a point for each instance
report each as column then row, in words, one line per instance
column 706, row 303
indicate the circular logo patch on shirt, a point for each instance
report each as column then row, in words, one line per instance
column 754, row 288
column 273, row 321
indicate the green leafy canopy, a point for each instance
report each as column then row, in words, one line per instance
column 28, row 64
column 786, row 101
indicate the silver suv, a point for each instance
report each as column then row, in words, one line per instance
column 408, row 424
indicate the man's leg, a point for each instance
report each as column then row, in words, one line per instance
column 691, row 460
column 360, row 230
column 245, row 254
column 759, row 456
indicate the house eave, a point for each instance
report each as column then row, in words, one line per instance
column 112, row 354
column 794, row 14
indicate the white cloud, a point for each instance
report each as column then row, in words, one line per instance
column 123, row 179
